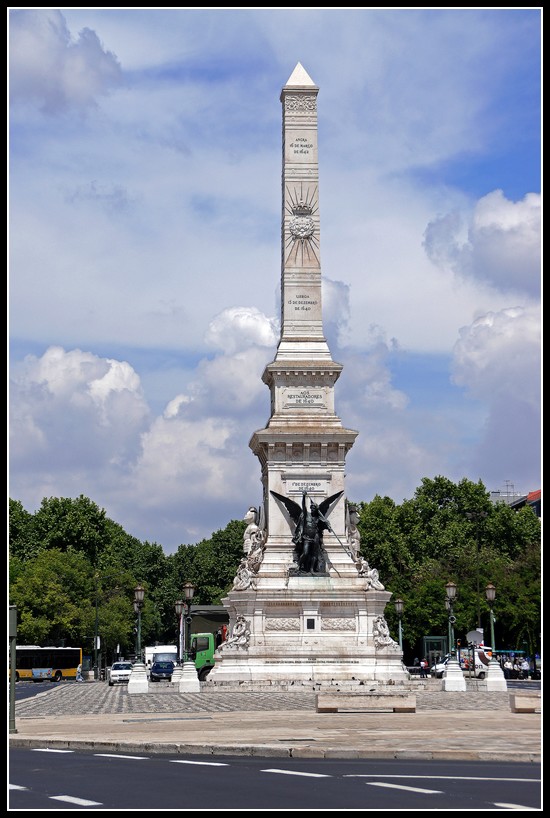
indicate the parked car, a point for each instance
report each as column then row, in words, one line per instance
column 161, row 670
column 120, row 673
column 438, row 669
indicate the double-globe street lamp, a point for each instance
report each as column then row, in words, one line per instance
column 490, row 593
column 450, row 590
column 495, row 675
column 399, row 611
column 179, row 605
column 139, row 593
column 188, row 592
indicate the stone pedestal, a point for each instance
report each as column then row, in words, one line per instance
column 189, row 681
column 496, row 680
column 453, row 677
column 138, row 682
column 317, row 631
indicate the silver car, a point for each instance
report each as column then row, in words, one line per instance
column 120, row 673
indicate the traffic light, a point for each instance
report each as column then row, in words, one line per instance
column 458, row 643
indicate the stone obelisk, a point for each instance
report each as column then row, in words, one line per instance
column 290, row 627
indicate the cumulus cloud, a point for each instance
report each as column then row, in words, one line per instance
column 502, row 245
column 499, row 356
column 48, row 67
column 498, row 361
column 71, row 408
column 237, row 328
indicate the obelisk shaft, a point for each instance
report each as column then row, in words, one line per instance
column 302, row 334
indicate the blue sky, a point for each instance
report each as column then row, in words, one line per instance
column 144, row 250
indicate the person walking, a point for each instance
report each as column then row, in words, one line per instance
column 424, row 669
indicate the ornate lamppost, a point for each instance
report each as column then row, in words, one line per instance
column 188, row 592
column 495, row 675
column 450, row 590
column 139, row 593
column 490, row 593
column 399, row 611
column 179, row 605
column 453, row 678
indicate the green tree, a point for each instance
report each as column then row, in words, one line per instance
column 54, row 599
column 213, row 563
column 451, row 531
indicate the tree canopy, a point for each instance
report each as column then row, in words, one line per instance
column 73, row 570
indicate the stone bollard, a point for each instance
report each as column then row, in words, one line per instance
column 189, row 682
column 138, row 682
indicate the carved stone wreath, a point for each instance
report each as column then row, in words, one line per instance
column 302, row 227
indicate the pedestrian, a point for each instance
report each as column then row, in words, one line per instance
column 79, row 677
column 424, row 669
column 219, row 637
column 525, row 667
column 508, row 668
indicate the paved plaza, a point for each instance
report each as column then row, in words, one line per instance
column 446, row 725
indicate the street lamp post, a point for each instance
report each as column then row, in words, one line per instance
column 450, row 590
column 399, row 612
column 139, row 593
column 495, row 675
column 179, row 605
column 188, row 592
column 490, row 593
column 477, row 516
column 96, row 628
column 453, row 676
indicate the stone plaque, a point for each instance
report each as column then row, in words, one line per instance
column 315, row 484
column 304, row 398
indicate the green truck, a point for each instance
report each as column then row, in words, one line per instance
column 203, row 646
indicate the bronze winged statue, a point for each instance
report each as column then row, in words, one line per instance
column 308, row 534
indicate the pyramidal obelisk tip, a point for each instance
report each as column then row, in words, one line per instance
column 300, row 77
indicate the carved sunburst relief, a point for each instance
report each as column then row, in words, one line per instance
column 302, row 242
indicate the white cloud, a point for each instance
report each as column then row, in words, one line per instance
column 502, row 247
column 49, row 67
column 136, row 232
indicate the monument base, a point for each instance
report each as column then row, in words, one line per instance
column 315, row 632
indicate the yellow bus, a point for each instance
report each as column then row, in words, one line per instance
column 39, row 664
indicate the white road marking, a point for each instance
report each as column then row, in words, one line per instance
column 514, row 806
column 81, row 802
column 16, row 787
column 403, row 787
column 440, row 777
column 49, row 750
column 116, row 755
column 206, row 763
column 295, row 772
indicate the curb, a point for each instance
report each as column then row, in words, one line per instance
column 272, row 751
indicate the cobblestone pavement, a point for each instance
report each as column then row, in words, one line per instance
column 98, row 698
column 446, row 725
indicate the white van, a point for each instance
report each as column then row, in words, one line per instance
column 481, row 663
column 482, row 657
column 161, row 653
